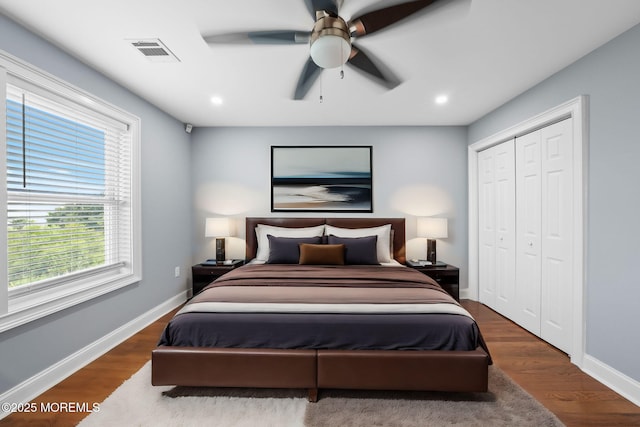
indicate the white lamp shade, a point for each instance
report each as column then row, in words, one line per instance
column 432, row 228
column 330, row 51
column 217, row 227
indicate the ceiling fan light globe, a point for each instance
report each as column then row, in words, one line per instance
column 330, row 51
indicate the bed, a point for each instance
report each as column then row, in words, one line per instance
column 314, row 311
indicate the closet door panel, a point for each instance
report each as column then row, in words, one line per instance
column 496, row 215
column 528, row 232
column 557, row 213
column 486, row 226
column 505, row 228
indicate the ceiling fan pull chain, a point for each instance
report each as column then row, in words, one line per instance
column 321, row 99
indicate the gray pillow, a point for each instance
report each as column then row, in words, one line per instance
column 286, row 250
column 358, row 250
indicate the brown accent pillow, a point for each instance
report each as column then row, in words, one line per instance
column 321, row 254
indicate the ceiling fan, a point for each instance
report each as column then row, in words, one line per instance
column 331, row 40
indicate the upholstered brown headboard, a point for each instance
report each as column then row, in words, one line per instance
column 397, row 225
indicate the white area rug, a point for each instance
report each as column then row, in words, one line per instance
column 137, row 403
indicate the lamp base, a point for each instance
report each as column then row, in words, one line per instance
column 220, row 252
column 431, row 250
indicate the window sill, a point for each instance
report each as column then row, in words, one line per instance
column 30, row 307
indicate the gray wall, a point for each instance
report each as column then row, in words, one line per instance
column 166, row 223
column 611, row 77
column 417, row 171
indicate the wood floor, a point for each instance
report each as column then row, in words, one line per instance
column 545, row 372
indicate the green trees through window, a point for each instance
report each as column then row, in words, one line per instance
column 71, row 239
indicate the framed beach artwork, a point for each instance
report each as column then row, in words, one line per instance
column 321, row 179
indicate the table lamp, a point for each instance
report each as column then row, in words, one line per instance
column 432, row 229
column 218, row 228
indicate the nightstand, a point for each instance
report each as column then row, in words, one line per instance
column 445, row 275
column 203, row 274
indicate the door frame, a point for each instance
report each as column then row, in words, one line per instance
column 577, row 109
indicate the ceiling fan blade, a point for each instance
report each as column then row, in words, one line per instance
column 378, row 19
column 330, row 6
column 362, row 62
column 309, row 75
column 260, row 37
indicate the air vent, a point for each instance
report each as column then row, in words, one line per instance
column 154, row 50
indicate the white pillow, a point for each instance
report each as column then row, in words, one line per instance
column 383, row 232
column 263, row 242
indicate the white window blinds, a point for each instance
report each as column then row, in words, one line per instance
column 68, row 171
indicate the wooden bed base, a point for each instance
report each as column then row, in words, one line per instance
column 462, row 371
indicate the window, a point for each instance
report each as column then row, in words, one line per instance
column 69, row 163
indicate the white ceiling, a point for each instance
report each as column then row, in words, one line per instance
column 480, row 53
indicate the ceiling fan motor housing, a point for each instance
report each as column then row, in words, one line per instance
column 330, row 42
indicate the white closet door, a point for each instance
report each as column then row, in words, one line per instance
column 496, row 215
column 505, row 228
column 544, row 171
column 486, row 227
column 528, row 229
column 525, row 231
column 557, row 214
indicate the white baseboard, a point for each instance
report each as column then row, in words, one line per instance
column 42, row 381
column 622, row 384
column 626, row 386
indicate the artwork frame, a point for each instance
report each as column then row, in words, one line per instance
column 322, row 178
